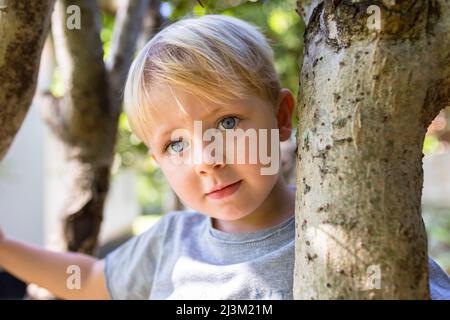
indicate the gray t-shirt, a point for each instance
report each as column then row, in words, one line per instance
column 183, row 257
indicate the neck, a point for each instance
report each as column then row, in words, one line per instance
column 276, row 208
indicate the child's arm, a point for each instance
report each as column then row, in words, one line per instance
column 48, row 269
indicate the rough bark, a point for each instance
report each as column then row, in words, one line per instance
column 24, row 25
column 366, row 98
column 85, row 119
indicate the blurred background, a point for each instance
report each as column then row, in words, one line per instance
column 32, row 183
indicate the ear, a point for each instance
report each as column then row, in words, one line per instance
column 285, row 109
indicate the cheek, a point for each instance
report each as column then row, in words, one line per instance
column 261, row 185
column 252, row 174
column 180, row 180
column 173, row 174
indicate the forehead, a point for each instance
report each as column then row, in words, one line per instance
column 172, row 104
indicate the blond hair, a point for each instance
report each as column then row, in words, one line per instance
column 217, row 58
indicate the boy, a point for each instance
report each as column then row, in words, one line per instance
column 215, row 72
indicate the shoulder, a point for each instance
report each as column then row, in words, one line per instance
column 167, row 228
column 439, row 281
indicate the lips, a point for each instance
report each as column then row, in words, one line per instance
column 220, row 187
column 224, row 191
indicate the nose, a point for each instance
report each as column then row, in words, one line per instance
column 205, row 169
column 208, row 163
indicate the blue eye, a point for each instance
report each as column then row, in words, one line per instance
column 229, row 122
column 176, row 146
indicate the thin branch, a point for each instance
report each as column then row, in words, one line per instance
column 153, row 20
column 126, row 31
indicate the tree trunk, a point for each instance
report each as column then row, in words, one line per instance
column 24, row 26
column 85, row 119
column 366, row 98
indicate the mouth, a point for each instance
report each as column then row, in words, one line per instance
column 224, row 191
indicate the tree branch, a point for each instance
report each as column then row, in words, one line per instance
column 23, row 29
column 90, row 122
column 86, row 106
column 153, row 20
column 126, row 31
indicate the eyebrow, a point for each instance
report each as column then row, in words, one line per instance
column 159, row 135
